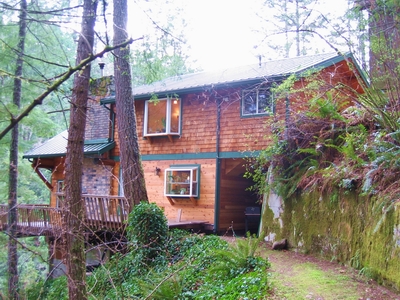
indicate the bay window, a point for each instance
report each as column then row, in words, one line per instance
column 162, row 117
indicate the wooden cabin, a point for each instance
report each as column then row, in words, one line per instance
column 197, row 135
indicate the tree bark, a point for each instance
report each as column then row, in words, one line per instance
column 73, row 208
column 13, row 168
column 132, row 173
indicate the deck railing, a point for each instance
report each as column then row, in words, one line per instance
column 106, row 212
column 101, row 213
column 35, row 219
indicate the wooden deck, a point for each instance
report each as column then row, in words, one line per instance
column 102, row 213
column 197, row 225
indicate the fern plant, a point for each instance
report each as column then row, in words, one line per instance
column 239, row 258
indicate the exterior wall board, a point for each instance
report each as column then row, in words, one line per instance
column 201, row 209
column 57, row 174
column 197, row 128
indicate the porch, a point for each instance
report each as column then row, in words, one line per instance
column 102, row 213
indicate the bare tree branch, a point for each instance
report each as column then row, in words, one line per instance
column 59, row 12
column 64, row 77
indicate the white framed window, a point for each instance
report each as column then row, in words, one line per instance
column 257, row 102
column 182, row 181
column 60, row 186
column 59, row 193
column 162, row 117
column 121, row 183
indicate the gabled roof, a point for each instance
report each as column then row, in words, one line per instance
column 243, row 74
column 57, row 146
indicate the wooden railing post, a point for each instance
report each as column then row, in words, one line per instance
column 101, row 207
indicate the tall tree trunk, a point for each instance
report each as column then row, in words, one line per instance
column 132, row 173
column 13, row 168
column 73, row 208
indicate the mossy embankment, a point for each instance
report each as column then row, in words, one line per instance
column 360, row 231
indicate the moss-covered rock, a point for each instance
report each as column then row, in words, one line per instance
column 343, row 226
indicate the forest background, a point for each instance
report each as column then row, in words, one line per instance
column 163, row 48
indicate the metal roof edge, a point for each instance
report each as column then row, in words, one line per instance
column 107, row 100
column 111, row 100
column 43, row 155
column 106, row 147
column 231, row 84
column 97, row 141
column 323, row 64
column 362, row 73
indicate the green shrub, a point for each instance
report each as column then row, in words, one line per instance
column 49, row 289
column 148, row 229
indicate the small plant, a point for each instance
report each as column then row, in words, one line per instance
column 239, row 258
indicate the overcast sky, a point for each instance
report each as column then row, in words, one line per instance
column 221, row 33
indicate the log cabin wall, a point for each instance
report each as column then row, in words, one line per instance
column 198, row 128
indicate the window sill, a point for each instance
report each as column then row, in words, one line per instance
column 151, row 137
column 173, row 199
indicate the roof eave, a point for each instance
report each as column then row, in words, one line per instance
column 52, row 155
column 107, row 147
column 232, row 84
column 317, row 67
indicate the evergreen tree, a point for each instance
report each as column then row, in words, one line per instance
column 73, row 206
column 13, row 166
column 295, row 21
column 132, row 172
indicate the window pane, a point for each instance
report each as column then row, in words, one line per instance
column 250, row 102
column 181, row 182
column 157, row 116
column 175, row 114
column 264, row 101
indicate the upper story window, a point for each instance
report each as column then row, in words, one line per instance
column 257, row 102
column 162, row 117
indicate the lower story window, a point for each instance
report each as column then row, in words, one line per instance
column 182, row 181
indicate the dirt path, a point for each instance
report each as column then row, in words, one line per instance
column 298, row 276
